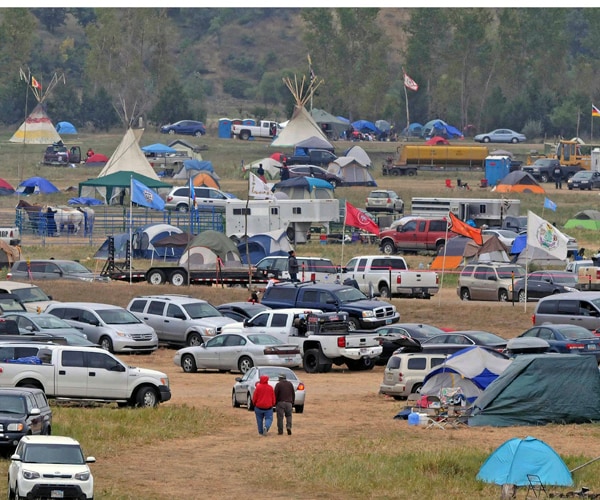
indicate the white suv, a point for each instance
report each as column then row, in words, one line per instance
column 179, row 198
column 50, row 467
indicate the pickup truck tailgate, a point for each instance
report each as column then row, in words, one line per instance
column 361, row 339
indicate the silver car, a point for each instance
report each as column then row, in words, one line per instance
column 51, row 269
column 206, row 198
column 500, row 135
column 47, row 324
column 243, row 389
column 238, row 352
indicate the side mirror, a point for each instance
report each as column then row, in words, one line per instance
column 247, row 323
column 34, row 412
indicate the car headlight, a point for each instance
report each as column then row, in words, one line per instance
column 368, row 314
column 82, row 476
column 15, row 427
column 210, row 331
column 30, row 474
column 571, row 289
column 123, row 334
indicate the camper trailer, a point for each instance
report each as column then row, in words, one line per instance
column 483, row 211
column 295, row 216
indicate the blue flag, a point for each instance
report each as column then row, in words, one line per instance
column 548, row 203
column 144, row 196
column 192, row 193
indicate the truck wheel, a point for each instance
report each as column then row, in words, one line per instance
column 311, row 361
column 299, row 408
column 146, row 397
column 384, row 291
column 395, row 172
column 502, row 295
column 194, row 339
column 178, row 278
column 388, row 248
column 411, row 173
column 244, row 364
column 156, row 277
column 544, row 178
column 106, row 344
column 188, row 364
column 439, row 248
column 234, row 401
column 244, row 135
column 353, row 324
column 464, row 294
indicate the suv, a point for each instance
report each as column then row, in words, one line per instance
column 488, row 281
column 32, row 296
column 179, row 319
column 50, row 467
column 578, row 308
column 416, row 235
column 23, row 411
column 179, row 198
column 309, row 268
column 382, row 200
column 51, row 269
column 111, row 327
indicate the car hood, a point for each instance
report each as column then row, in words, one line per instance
column 42, row 305
column 365, row 304
column 134, row 371
column 56, row 470
column 236, row 326
column 214, row 321
column 133, row 328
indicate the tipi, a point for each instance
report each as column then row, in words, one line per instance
column 37, row 127
column 129, row 156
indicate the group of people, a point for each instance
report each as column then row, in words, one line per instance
column 281, row 397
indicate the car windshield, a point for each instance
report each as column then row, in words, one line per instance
column 50, row 321
column 565, row 278
column 264, row 339
column 507, row 272
column 487, row 337
column 70, row 267
column 197, row 310
column 273, row 373
column 349, row 294
column 117, row 317
column 53, row 454
column 10, row 304
column 576, row 333
column 379, row 195
column 30, row 294
column 12, row 404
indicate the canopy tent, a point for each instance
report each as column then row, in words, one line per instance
column 120, row 242
column 313, row 142
column 516, row 458
column 359, row 154
column 271, row 166
column 36, row 129
column 129, row 157
column 328, row 122
column 66, row 128
column 112, row 187
column 537, row 389
column 352, row 171
column 192, row 167
column 36, row 185
column 158, row 148
column 365, row 127
column 471, row 369
column 305, row 188
column 204, row 250
column 96, row 160
column 440, row 127
column 6, row 188
column 518, row 181
column 144, row 238
column 532, row 255
column 262, row 245
column 206, row 179
column 586, row 219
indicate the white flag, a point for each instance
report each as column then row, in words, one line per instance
column 259, row 189
column 543, row 235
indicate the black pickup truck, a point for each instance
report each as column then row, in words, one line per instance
column 543, row 169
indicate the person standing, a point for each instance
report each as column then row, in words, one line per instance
column 263, row 400
column 285, row 171
column 261, row 173
column 293, row 266
column 557, row 177
column 284, row 397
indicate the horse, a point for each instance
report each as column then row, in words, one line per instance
column 52, row 220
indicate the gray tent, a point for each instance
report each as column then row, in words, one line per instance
column 538, row 389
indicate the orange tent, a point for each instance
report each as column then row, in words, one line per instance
column 205, row 179
column 518, row 182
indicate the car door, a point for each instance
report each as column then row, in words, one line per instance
column 207, row 355
column 107, row 377
column 536, row 286
column 153, row 316
column 242, row 388
column 479, row 288
column 36, row 422
column 175, row 323
column 72, row 374
column 258, row 324
column 231, row 351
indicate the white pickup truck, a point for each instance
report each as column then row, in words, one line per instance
column 10, row 235
column 389, row 276
column 323, row 338
column 82, row 373
column 265, row 128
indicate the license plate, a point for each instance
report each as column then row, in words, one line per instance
column 57, row 494
column 388, row 321
column 591, row 347
column 289, row 360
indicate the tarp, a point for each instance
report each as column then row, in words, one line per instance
column 66, row 128
column 365, row 127
column 586, row 219
column 84, row 201
column 36, row 185
column 158, row 148
column 538, row 389
column 514, row 459
column 36, row 129
column 145, row 236
column 472, row 369
column 110, row 187
column 300, row 127
column 203, row 250
column 263, row 245
column 304, row 188
column 128, row 156
column 518, row 181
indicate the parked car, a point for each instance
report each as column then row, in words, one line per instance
column 506, row 236
column 239, row 311
column 29, row 323
column 206, row 198
column 383, row 200
column 401, row 335
column 184, row 127
column 9, row 302
column 179, row 319
column 488, row 281
column 500, row 135
column 585, row 179
column 539, row 284
column 576, row 308
column 317, row 172
column 50, row 467
column 566, row 338
column 243, row 389
column 23, row 411
column 32, row 296
column 467, row 338
column 112, row 327
column 238, row 351
column 51, row 269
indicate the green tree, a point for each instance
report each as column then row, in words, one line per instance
column 172, row 104
column 51, row 18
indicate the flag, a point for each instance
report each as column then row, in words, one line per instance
column 548, row 203
column 595, row 111
column 192, row 193
column 310, row 68
column 543, row 235
column 144, row 196
column 410, row 83
column 259, row 189
column 35, row 84
column 459, row 227
column 356, row 218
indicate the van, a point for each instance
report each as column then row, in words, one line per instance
column 488, row 281
column 577, row 308
column 309, row 269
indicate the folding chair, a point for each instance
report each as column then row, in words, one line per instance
column 449, row 184
column 535, row 486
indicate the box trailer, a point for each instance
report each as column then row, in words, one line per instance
column 481, row 210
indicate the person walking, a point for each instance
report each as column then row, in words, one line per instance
column 285, row 397
column 263, row 400
column 293, row 266
column 557, row 177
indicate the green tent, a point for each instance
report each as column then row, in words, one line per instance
column 206, row 248
column 112, row 186
column 539, row 389
column 586, row 219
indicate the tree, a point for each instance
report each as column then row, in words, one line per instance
column 172, row 105
column 51, row 18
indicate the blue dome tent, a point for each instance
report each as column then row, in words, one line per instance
column 66, row 128
column 36, row 185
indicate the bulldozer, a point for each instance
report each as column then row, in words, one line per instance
column 568, row 152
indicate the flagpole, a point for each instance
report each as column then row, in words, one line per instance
column 406, row 101
column 130, row 228
column 344, row 234
column 443, row 262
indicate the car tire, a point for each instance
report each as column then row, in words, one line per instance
column 312, row 361
column 171, row 132
column 521, row 295
column 234, row 401
column 502, row 295
column 416, row 389
column 178, row 278
column 146, row 397
column 188, row 363
column 544, row 177
column 245, row 363
column 388, row 248
column 198, row 133
column 299, row 408
column 249, row 404
column 465, row 294
column 485, row 139
column 194, row 339
column 334, row 183
column 244, row 135
column 106, row 343
column 156, row 278
column 182, row 208
column 514, row 140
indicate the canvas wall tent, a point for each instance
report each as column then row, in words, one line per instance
column 352, row 171
column 113, row 187
column 36, row 129
column 121, row 242
column 145, row 236
column 66, row 128
column 128, row 156
column 537, row 389
column 331, row 124
column 263, row 245
column 203, row 250
column 36, row 185
column 518, row 182
column 305, row 188
column 440, row 127
column 586, row 219
column 472, row 370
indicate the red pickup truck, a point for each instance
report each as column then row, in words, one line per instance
column 416, row 235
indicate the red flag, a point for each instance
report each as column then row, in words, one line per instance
column 410, row 83
column 35, row 83
column 459, row 227
column 360, row 220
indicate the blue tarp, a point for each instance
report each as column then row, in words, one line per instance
column 365, row 126
column 65, row 128
column 200, row 165
column 440, row 127
column 35, row 185
column 309, row 183
column 158, row 148
column 85, row 201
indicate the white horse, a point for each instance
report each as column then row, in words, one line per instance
column 67, row 218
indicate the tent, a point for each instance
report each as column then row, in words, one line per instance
column 515, row 458
column 332, row 125
column 271, row 166
column 537, row 389
column 112, row 187
column 128, row 156
column 6, row 188
column 532, row 255
column 206, row 179
column 303, row 147
column 36, row 185
column 96, row 160
column 192, row 150
column 436, row 140
column 413, row 130
column 36, row 129
column 366, row 127
column 66, row 128
column 192, row 167
column 300, row 127
column 471, row 369
column 453, row 255
column 360, row 155
column 518, row 182
column 144, row 238
column 158, row 148
column 305, row 188
column 492, row 250
column 586, row 219
column 352, row 171
column 440, row 127
column 204, row 249
column 120, row 241
column 383, row 125
column 262, row 245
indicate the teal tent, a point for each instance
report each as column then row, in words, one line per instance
column 111, row 186
column 538, row 389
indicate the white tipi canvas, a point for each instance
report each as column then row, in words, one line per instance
column 36, row 129
column 301, row 126
column 129, row 156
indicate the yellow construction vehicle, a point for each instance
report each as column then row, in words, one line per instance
column 568, row 152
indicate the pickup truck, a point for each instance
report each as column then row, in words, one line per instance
column 390, row 277
column 416, row 235
column 323, row 338
column 542, row 169
column 265, row 128
column 362, row 312
column 10, row 235
column 318, row 157
column 81, row 373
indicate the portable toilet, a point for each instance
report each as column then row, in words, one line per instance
column 225, row 128
column 249, row 121
column 595, row 165
column 496, row 168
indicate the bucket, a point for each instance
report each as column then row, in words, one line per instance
column 423, row 419
column 413, row 418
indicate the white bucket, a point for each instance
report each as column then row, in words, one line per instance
column 423, row 419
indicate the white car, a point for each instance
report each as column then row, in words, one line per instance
column 383, row 200
column 49, row 467
column 32, row 296
column 206, row 198
column 506, row 236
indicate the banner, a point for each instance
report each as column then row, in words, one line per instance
column 543, row 235
column 259, row 189
column 459, row 227
column 144, row 196
column 360, row 220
